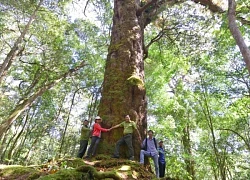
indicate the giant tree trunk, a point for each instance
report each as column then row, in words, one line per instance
column 123, row 87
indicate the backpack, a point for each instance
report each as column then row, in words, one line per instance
column 146, row 144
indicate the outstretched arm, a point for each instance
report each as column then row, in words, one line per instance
column 116, row 126
column 98, row 126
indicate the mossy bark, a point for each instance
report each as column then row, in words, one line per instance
column 123, row 88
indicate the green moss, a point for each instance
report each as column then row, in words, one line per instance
column 109, row 148
column 34, row 175
column 99, row 175
column 103, row 157
column 15, row 172
column 104, row 168
column 65, row 174
column 73, row 163
column 136, row 80
column 125, row 169
column 116, row 46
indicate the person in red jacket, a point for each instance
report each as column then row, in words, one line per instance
column 96, row 136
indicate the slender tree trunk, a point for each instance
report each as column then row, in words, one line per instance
column 67, row 123
column 56, row 119
column 22, row 145
column 218, row 159
column 14, row 141
column 237, row 34
column 3, row 146
column 24, row 137
column 190, row 164
column 93, row 105
column 29, row 152
column 6, row 150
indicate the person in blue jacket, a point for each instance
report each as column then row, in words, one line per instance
column 161, row 160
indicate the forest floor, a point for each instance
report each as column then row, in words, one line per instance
column 100, row 167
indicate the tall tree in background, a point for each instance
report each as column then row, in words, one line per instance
column 237, row 34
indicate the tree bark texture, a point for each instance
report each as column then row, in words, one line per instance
column 237, row 34
column 123, row 87
column 211, row 4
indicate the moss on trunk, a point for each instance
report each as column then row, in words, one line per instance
column 123, row 87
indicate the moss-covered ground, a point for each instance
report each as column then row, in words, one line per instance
column 100, row 167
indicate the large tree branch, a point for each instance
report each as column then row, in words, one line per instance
column 146, row 6
column 211, row 5
column 16, row 47
column 237, row 34
column 160, row 35
column 153, row 7
column 214, row 7
column 28, row 101
column 243, row 20
column 239, row 135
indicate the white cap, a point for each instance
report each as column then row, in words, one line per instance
column 98, row 117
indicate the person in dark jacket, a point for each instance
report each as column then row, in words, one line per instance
column 84, row 139
column 161, row 160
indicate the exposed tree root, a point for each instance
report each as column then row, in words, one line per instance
column 98, row 175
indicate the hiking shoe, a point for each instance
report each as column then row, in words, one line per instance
column 115, row 156
column 132, row 158
column 86, row 157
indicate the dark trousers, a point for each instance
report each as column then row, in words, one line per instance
column 83, row 148
column 93, row 146
column 162, row 167
column 128, row 140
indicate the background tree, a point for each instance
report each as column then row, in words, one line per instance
column 237, row 34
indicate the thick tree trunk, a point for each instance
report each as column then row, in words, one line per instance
column 123, row 88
